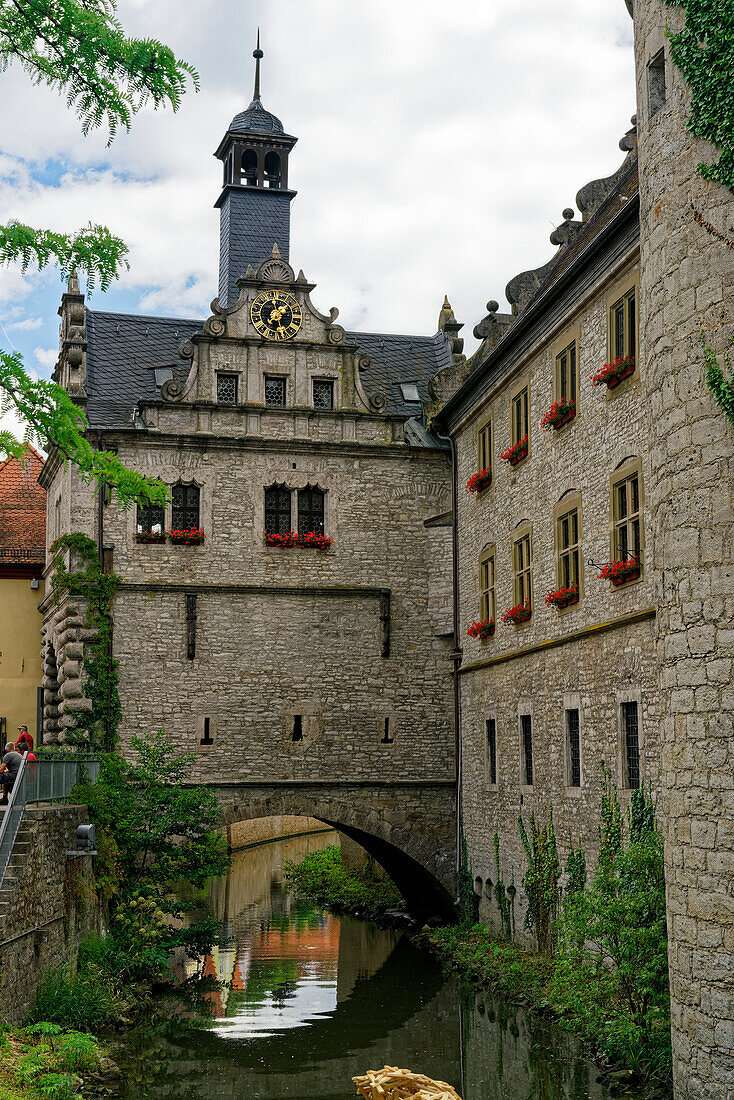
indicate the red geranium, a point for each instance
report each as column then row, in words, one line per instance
column 311, row 540
column 479, row 481
column 516, row 615
column 482, row 630
column 620, row 571
column 516, row 453
column 189, row 537
column 564, row 597
column 558, row 414
column 611, row 374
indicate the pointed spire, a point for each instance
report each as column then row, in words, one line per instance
column 257, row 54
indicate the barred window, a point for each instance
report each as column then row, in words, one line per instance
column 526, row 728
column 311, row 510
column 277, row 510
column 573, row 748
column 323, row 393
column 487, row 609
column 626, row 515
column 491, row 726
column 631, row 731
column 227, row 389
column 567, row 532
column 150, row 519
column 185, row 510
column 523, row 571
column 275, row 392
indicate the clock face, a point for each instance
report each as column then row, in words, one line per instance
column 275, row 315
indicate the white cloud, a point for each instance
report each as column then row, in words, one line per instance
column 437, row 148
column 27, row 324
column 46, row 357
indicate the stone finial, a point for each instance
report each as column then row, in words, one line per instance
column 275, row 254
column 593, row 194
column 494, row 326
column 563, row 234
column 250, row 273
column 72, row 286
column 450, row 327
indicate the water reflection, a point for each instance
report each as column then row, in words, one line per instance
column 305, row 1001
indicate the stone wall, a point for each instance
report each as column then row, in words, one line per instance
column 687, row 287
column 245, row 834
column 47, row 905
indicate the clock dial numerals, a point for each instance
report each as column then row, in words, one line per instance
column 275, row 315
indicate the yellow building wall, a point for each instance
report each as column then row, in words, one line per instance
column 20, row 652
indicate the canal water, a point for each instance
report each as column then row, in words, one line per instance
column 304, row 1001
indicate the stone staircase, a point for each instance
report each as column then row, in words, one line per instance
column 21, row 850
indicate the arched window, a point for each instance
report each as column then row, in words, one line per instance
column 311, row 510
column 278, row 510
column 150, row 519
column 185, row 510
column 272, row 170
column 249, row 168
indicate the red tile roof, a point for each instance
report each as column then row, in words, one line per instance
column 22, row 510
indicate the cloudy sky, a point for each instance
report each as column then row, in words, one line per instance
column 438, row 145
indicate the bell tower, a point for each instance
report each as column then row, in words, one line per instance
column 255, row 202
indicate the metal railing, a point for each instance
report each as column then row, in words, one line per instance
column 51, row 778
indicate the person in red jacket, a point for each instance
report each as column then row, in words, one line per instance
column 24, row 738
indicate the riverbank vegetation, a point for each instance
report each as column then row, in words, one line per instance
column 601, row 967
column 49, row 1062
column 153, row 834
column 363, row 892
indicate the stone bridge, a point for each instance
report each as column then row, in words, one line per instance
column 408, row 826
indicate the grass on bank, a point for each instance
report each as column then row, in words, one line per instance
column 48, row 1062
column 323, row 877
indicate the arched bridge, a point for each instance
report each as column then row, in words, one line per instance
column 408, row 826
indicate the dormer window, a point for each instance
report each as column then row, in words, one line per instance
column 410, row 393
column 274, row 392
column 323, row 393
column 227, row 389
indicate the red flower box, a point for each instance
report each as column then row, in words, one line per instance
column 514, row 616
column 481, row 630
column 558, row 414
column 191, row 537
column 564, row 597
column 516, row 453
column 611, row 374
column 619, row 572
column 309, row 541
column 479, row 481
column 150, row 536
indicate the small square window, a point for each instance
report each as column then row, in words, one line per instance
column 227, row 389
column 410, row 393
column 323, row 393
column 275, row 392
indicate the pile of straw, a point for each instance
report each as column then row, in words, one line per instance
column 392, row 1083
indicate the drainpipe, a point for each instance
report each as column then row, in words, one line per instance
column 457, row 654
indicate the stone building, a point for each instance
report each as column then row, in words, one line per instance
column 570, row 681
column 22, row 560
column 299, row 631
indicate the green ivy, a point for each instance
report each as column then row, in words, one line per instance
column 720, row 384
column 504, row 895
column 704, row 52
column 96, row 729
column 541, row 880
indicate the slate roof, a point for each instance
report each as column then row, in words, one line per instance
column 123, row 349
column 22, row 511
column 397, row 359
column 255, row 120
